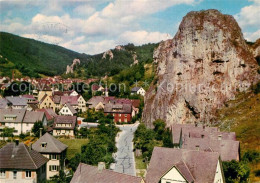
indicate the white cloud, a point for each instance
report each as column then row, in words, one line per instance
column 84, row 10
column 90, row 47
column 252, row 36
column 248, row 18
column 143, row 37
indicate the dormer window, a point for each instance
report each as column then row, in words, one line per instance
column 10, row 117
column 43, row 144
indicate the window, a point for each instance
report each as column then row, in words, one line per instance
column 14, row 174
column 125, row 115
column 2, row 173
column 28, row 174
column 54, row 168
column 53, row 156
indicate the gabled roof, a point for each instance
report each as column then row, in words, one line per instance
column 228, row 149
column 65, row 119
column 33, row 116
column 72, row 110
column 191, row 131
column 135, row 89
column 73, row 100
column 120, row 108
column 53, row 145
column 17, row 100
column 19, row 156
column 18, row 115
column 90, row 174
column 49, row 113
column 95, row 100
column 200, row 166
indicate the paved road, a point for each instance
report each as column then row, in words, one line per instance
column 125, row 162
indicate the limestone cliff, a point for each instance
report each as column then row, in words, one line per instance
column 70, row 68
column 203, row 66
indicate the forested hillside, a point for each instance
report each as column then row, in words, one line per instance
column 32, row 57
column 28, row 57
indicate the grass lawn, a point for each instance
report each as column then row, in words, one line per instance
column 242, row 116
column 139, row 164
column 74, row 146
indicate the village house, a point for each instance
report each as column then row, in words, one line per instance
column 47, row 102
column 20, row 119
column 64, row 126
column 168, row 165
column 19, row 163
column 67, row 110
column 54, row 150
column 49, row 113
column 138, row 91
column 195, row 137
column 91, row 174
column 96, row 102
column 17, row 102
column 120, row 112
column 43, row 90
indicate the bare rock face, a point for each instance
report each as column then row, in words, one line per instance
column 255, row 48
column 109, row 53
column 70, row 68
column 203, row 66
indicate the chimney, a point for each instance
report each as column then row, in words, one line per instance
column 40, row 132
column 101, row 166
column 16, row 142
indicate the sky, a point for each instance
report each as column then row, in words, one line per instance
column 94, row 26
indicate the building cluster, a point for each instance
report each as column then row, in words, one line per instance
column 37, row 163
column 56, row 80
column 122, row 109
column 196, row 157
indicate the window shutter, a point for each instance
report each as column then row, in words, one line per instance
column 49, row 156
column 50, row 168
column 58, row 156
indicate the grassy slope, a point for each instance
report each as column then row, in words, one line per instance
column 35, row 55
column 243, row 117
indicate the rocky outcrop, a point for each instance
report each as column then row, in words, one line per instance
column 203, row 66
column 255, row 48
column 109, row 53
column 70, row 68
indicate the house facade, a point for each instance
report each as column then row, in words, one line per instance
column 18, row 163
column 138, row 91
column 168, row 165
column 20, row 119
column 64, row 126
column 122, row 113
column 67, row 110
column 47, row 102
column 54, row 150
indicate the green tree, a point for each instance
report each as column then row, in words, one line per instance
column 236, row 171
column 36, row 128
column 159, row 128
column 7, row 132
column 84, row 132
